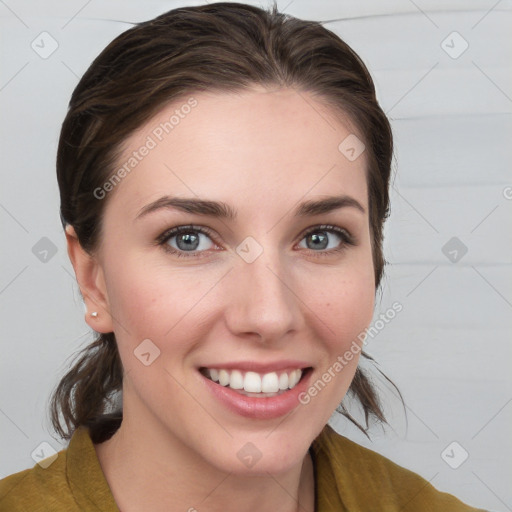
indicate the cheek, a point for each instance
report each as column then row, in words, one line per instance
column 342, row 307
column 149, row 300
column 343, row 300
column 348, row 315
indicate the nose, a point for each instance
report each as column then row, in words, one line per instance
column 262, row 301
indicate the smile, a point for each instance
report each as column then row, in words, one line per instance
column 251, row 390
column 253, row 383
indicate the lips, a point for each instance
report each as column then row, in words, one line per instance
column 257, row 405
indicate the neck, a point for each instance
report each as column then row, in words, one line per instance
column 156, row 472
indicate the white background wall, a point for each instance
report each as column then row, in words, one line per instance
column 449, row 350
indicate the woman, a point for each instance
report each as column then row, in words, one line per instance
column 224, row 177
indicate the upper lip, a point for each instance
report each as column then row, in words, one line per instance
column 259, row 367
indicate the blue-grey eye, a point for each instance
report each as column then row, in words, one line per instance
column 190, row 240
column 321, row 240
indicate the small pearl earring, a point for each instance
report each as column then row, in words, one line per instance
column 94, row 314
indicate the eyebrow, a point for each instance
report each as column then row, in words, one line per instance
column 224, row 211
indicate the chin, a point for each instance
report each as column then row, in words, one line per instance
column 261, row 453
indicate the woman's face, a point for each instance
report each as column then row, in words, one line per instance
column 271, row 272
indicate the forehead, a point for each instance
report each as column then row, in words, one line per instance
column 242, row 148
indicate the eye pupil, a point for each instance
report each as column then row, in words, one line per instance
column 187, row 241
column 319, row 240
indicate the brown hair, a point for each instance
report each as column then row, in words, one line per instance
column 216, row 47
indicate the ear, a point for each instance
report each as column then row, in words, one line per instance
column 90, row 278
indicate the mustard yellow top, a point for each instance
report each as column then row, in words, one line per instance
column 348, row 477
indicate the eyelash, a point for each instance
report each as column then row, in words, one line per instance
column 170, row 233
column 346, row 239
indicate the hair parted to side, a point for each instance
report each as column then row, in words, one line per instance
column 222, row 47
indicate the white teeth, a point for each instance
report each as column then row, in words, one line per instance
column 223, row 377
column 270, row 383
column 283, row 381
column 294, row 378
column 237, row 380
column 253, row 382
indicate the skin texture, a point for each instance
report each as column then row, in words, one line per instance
column 262, row 152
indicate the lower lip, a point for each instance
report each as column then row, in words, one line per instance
column 259, row 408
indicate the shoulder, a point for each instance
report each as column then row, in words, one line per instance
column 366, row 480
column 74, row 481
column 37, row 489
